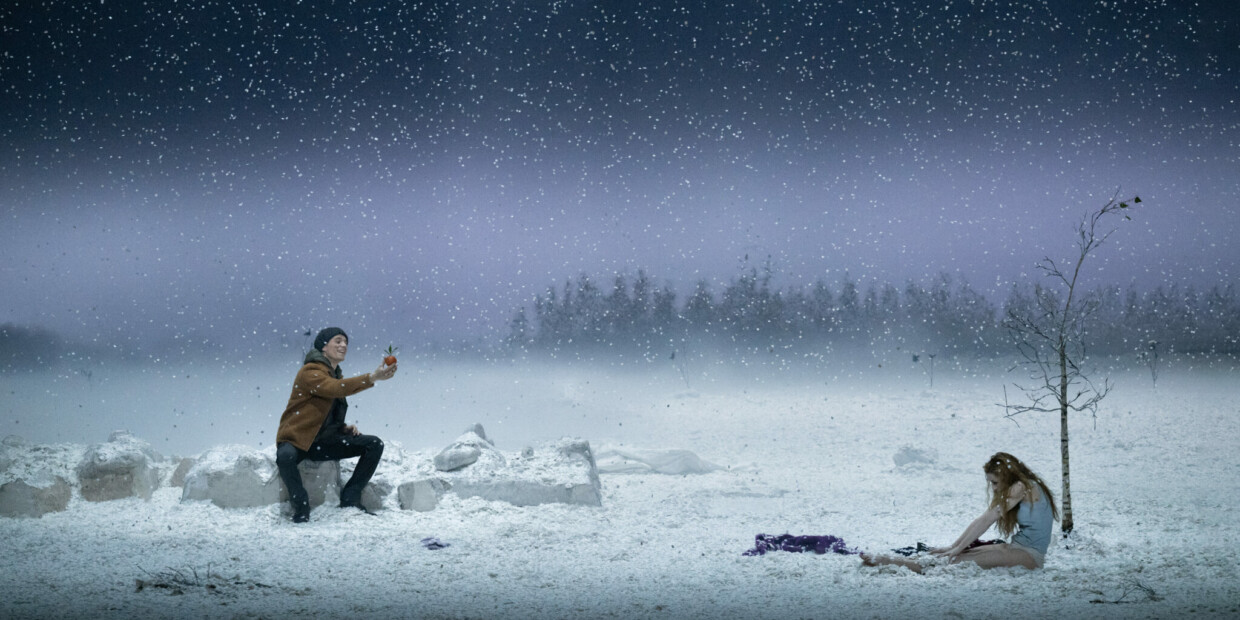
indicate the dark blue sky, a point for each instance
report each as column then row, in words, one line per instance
column 174, row 171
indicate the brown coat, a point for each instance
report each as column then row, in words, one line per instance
column 315, row 388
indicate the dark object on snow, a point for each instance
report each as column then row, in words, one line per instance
column 432, row 543
column 908, row 551
column 799, row 544
column 924, row 548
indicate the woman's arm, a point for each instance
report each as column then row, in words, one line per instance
column 979, row 525
column 971, row 533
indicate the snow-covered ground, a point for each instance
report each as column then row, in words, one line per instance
column 1154, row 490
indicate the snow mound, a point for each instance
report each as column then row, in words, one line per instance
column 910, row 456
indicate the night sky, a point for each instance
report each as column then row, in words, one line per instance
column 205, row 174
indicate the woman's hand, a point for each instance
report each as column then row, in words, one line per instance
column 350, row 429
column 383, row 372
column 950, row 553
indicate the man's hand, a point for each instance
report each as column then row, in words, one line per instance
column 383, row 372
column 350, row 429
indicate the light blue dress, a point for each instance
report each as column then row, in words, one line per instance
column 1035, row 521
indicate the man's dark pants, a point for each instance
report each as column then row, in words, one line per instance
column 368, row 447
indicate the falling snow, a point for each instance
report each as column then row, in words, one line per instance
column 189, row 188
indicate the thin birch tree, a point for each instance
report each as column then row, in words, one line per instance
column 1050, row 336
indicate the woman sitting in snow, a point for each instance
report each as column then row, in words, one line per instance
column 1019, row 501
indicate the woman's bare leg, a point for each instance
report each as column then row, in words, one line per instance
column 986, row 556
column 879, row 560
column 997, row 556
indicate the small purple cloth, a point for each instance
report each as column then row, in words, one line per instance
column 800, row 544
column 432, row 543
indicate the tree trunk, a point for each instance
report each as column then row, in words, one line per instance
column 1065, row 525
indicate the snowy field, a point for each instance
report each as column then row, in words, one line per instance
column 1154, row 482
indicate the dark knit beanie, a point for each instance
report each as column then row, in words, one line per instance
column 326, row 335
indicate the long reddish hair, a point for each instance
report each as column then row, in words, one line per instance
column 1009, row 470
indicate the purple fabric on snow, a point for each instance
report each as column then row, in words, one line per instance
column 432, row 543
column 799, row 544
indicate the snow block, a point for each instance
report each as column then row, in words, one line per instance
column 35, row 479
column 529, row 492
column 465, row 451
column 20, row 499
column 476, row 428
column 233, row 477
column 422, row 495
column 455, row 457
column 322, row 482
column 671, row 462
column 125, row 466
column 375, row 494
column 177, row 479
column 564, row 472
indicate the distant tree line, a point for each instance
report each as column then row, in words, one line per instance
column 27, row 348
column 636, row 315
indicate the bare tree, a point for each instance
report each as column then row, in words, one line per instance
column 1050, row 335
column 1150, row 355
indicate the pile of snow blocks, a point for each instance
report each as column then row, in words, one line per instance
column 560, row 472
column 38, row 479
